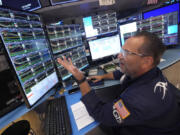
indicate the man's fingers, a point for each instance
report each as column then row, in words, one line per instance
column 64, row 58
column 59, row 60
column 69, row 59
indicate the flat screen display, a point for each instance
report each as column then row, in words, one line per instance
column 28, row 5
column 55, row 2
column 127, row 30
column 162, row 10
column 100, row 25
column 165, row 26
column 28, row 51
column 107, row 46
column 88, row 26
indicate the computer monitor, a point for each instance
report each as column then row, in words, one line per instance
column 55, row 2
column 127, row 30
column 28, row 5
column 101, row 24
column 162, row 10
column 103, row 47
column 165, row 26
column 28, row 53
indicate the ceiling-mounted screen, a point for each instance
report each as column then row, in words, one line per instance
column 162, row 10
column 28, row 5
column 165, row 26
column 100, row 25
column 55, row 2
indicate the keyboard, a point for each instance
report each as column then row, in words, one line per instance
column 57, row 120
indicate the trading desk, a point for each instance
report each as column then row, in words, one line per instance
column 72, row 99
column 170, row 57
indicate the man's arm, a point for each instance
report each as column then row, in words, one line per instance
column 103, row 112
column 84, row 86
column 101, row 77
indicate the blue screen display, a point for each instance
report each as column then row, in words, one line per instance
column 172, row 29
column 162, row 10
column 27, row 5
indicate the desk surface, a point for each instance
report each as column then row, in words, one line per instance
column 171, row 56
column 72, row 99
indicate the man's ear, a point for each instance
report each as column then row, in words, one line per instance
column 148, row 61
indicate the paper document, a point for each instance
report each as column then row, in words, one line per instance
column 81, row 115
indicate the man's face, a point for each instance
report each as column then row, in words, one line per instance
column 130, row 59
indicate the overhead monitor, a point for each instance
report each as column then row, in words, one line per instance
column 162, row 10
column 165, row 26
column 127, row 30
column 88, row 26
column 100, row 25
column 28, row 5
column 55, row 2
column 103, row 47
column 28, row 52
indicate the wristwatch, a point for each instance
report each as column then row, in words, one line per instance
column 81, row 81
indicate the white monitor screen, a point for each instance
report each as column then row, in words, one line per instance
column 103, row 47
column 88, row 26
column 127, row 30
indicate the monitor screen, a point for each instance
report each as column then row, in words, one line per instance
column 55, row 2
column 165, row 26
column 127, row 30
column 28, row 5
column 100, row 24
column 88, row 26
column 107, row 46
column 28, row 52
column 162, row 10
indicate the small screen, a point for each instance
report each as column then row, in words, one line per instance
column 55, row 2
column 162, row 10
column 103, row 47
column 88, row 26
column 28, row 5
column 28, row 51
column 127, row 30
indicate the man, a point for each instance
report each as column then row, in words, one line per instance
column 147, row 105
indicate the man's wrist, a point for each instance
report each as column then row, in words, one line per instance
column 81, row 80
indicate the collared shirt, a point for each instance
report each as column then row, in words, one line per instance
column 146, row 107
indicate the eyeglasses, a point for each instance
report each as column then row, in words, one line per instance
column 126, row 52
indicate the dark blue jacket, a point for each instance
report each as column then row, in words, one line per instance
column 151, row 108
